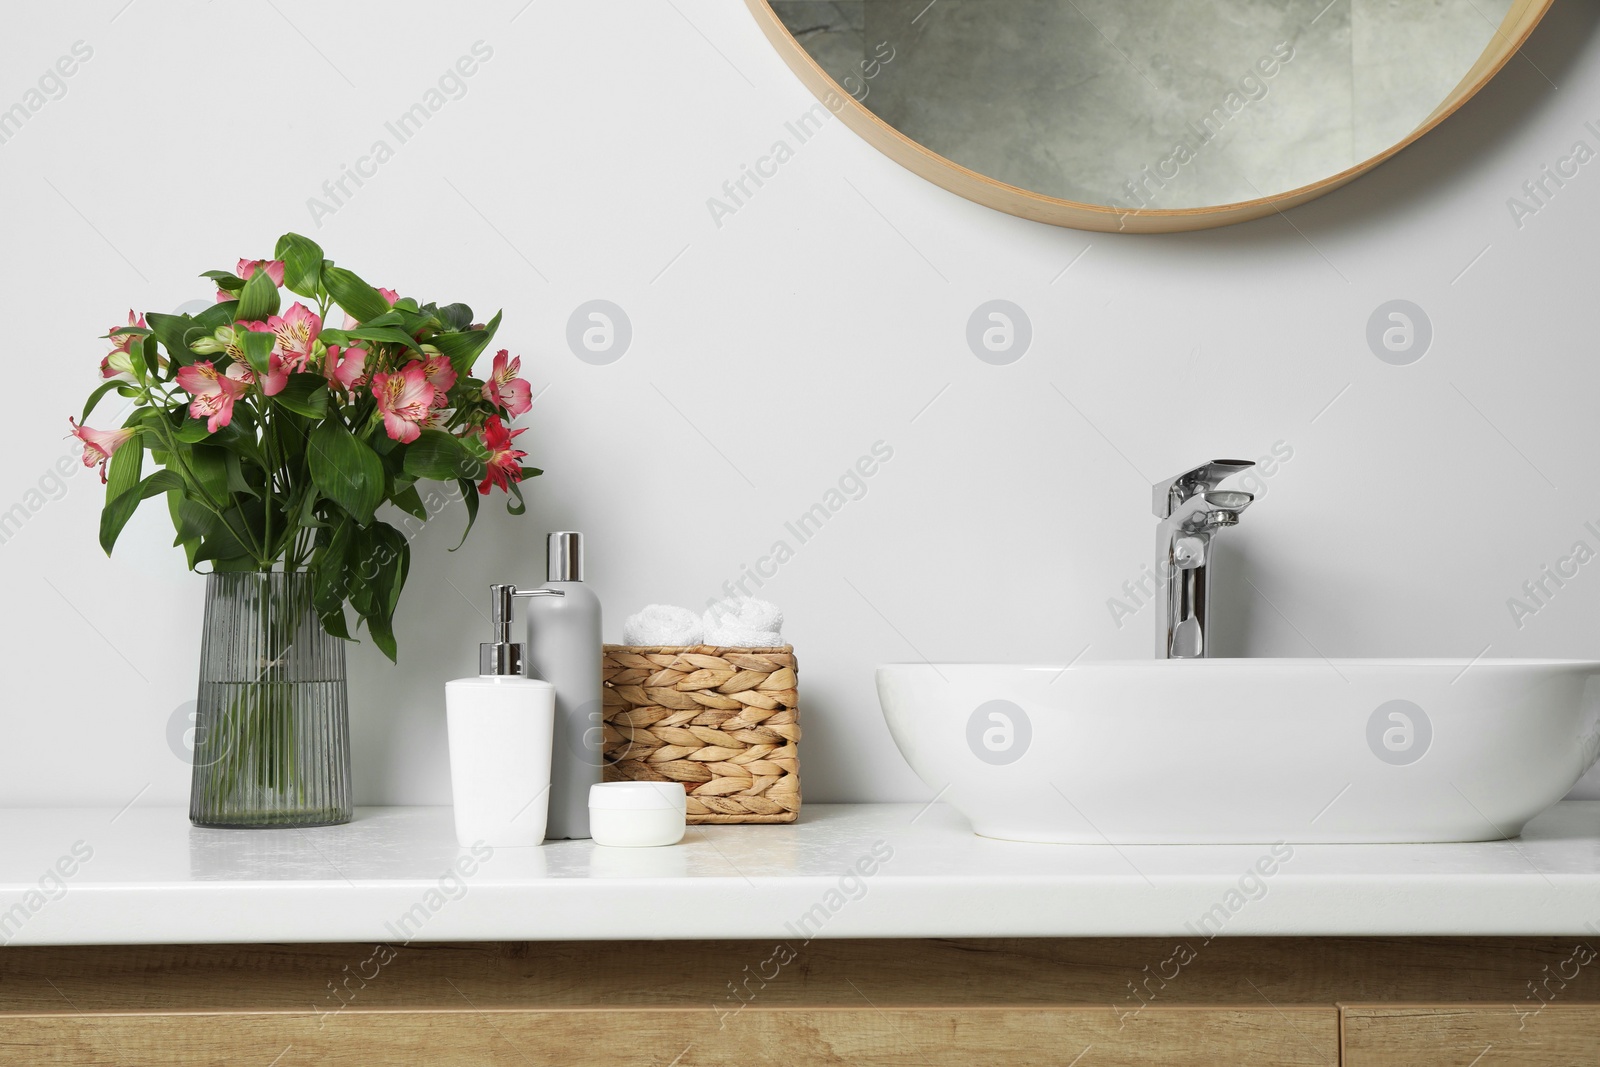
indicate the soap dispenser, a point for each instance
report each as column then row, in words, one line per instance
column 564, row 649
column 501, row 727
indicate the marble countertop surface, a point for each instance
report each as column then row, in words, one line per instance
column 71, row 876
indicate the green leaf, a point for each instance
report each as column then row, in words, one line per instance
column 191, row 430
column 292, row 434
column 306, row 511
column 382, row 630
column 385, row 334
column 235, row 564
column 455, row 316
column 224, row 541
column 302, row 263
column 330, row 586
column 463, row 349
column 440, row 456
column 152, row 358
column 334, row 623
column 409, row 501
column 239, row 436
column 95, row 398
column 257, row 347
column 209, row 465
column 219, row 314
column 124, row 470
column 514, row 502
column 258, row 299
column 389, row 561
column 226, row 280
column 175, row 332
column 385, row 562
column 345, row 470
column 388, row 318
column 469, row 497
column 121, row 509
column 191, row 521
column 237, row 481
column 361, row 300
column 306, row 394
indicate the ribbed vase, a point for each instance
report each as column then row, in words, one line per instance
column 272, row 727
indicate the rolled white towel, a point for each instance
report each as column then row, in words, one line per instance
column 733, row 637
column 744, row 613
column 744, row 622
column 663, row 624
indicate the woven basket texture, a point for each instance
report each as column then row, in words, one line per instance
column 723, row 721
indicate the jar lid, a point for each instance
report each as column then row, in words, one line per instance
column 638, row 796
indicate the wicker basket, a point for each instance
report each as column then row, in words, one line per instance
column 723, row 721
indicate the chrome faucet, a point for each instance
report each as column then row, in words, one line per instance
column 1191, row 509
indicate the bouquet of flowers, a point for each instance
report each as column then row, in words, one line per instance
column 277, row 438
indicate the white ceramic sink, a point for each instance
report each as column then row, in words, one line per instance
column 1247, row 750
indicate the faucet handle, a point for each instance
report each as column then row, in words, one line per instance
column 1174, row 491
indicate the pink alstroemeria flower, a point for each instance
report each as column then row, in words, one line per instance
column 120, row 361
column 405, row 398
column 347, row 367
column 247, row 267
column 504, row 389
column 124, row 342
column 295, row 330
column 505, row 458
column 100, row 445
column 442, row 376
column 277, row 366
column 214, row 393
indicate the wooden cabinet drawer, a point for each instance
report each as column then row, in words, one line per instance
column 1487, row 1035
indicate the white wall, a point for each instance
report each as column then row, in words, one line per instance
column 771, row 352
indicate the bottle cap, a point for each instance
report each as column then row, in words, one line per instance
column 502, row 657
column 564, row 553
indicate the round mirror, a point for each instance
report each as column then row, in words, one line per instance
column 1144, row 115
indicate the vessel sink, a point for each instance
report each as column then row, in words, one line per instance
column 1247, row 750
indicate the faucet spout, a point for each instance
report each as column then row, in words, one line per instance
column 1191, row 509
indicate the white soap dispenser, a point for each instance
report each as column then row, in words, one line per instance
column 501, row 727
column 564, row 649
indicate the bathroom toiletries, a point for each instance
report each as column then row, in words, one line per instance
column 564, row 650
column 638, row 814
column 500, row 728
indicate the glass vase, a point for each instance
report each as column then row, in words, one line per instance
column 272, row 727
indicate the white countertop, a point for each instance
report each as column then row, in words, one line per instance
column 387, row 876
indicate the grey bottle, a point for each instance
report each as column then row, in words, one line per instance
column 563, row 648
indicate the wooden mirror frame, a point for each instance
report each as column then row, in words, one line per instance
column 1519, row 22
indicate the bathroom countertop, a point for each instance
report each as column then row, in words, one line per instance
column 145, row 876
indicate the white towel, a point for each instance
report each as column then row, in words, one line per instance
column 744, row 622
column 663, row 625
column 733, row 637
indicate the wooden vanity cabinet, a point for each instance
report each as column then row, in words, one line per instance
column 1079, row 1002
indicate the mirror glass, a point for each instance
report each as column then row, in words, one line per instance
column 1149, row 104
